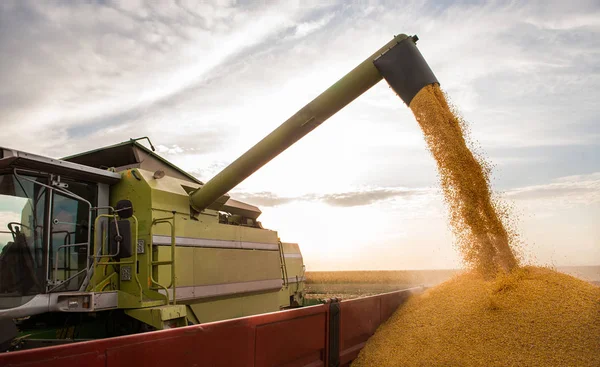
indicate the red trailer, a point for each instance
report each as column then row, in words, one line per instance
column 330, row 334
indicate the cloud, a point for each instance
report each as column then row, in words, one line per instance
column 266, row 199
column 91, row 67
column 571, row 190
column 366, row 197
column 306, row 28
column 343, row 199
column 105, row 72
column 591, row 177
column 174, row 149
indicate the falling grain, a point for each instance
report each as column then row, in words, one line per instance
column 474, row 217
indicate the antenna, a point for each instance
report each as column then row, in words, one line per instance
column 142, row 138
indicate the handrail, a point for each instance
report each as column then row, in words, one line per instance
column 97, row 262
column 66, row 281
column 111, row 216
column 152, row 262
column 284, row 273
column 135, row 254
column 55, row 270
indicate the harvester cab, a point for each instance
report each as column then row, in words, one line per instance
column 47, row 208
column 46, row 211
column 127, row 242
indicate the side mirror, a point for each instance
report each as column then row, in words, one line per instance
column 124, row 209
column 120, row 244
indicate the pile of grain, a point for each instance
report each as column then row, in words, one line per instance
column 474, row 217
column 498, row 314
column 530, row 317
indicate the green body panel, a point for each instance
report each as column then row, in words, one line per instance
column 225, row 308
column 161, row 317
column 293, row 259
column 140, row 194
column 214, row 283
column 202, row 266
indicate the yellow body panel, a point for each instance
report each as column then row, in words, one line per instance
column 202, row 266
column 221, row 270
column 221, row 309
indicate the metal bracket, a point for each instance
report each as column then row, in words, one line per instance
column 141, row 245
column 125, row 272
column 405, row 69
column 334, row 333
column 55, row 181
column 8, row 331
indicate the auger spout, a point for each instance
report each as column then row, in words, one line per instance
column 399, row 62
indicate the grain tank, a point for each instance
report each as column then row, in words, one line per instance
column 118, row 240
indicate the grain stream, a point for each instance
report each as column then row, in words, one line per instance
column 475, row 218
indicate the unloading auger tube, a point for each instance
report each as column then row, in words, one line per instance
column 399, row 62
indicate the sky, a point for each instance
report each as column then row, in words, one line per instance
column 207, row 80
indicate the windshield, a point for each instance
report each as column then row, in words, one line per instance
column 22, row 208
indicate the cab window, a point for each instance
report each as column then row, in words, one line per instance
column 69, row 234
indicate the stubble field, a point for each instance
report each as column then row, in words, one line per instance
column 353, row 284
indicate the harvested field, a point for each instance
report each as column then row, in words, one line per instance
column 408, row 277
column 353, row 284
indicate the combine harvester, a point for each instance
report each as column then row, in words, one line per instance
column 117, row 241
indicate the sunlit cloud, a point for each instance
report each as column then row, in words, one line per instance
column 572, row 190
column 341, row 199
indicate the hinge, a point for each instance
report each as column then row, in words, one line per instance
column 55, row 181
column 334, row 333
